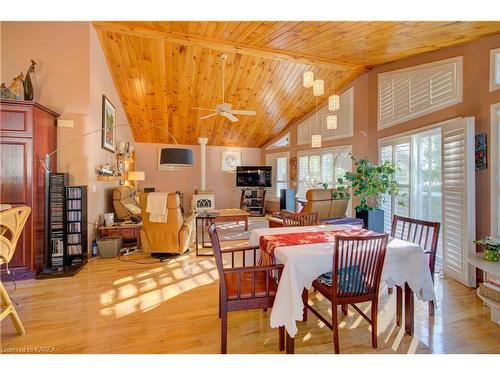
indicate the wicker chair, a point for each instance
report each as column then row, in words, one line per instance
column 12, row 223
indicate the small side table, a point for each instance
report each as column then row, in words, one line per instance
column 131, row 233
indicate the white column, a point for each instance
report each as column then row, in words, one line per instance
column 203, row 162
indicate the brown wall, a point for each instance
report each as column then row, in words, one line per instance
column 476, row 102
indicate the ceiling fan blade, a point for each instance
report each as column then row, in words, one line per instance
column 243, row 112
column 204, row 109
column 208, row 116
column 230, row 116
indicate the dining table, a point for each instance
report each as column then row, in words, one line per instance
column 405, row 265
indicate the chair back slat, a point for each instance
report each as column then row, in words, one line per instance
column 357, row 265
column 299, row 219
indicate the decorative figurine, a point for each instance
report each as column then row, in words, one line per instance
column 27, row 83
column 17, row 87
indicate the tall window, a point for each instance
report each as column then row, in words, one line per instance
column 495, row 69
column 279, row 162
column 320, row 166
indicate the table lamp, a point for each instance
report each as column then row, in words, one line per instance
column 136, row 176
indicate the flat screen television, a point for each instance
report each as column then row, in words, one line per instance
column 258, row 176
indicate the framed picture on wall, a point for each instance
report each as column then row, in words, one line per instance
column 108, row 125
column 230, row 160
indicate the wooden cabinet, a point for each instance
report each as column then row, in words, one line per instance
column 28, row 131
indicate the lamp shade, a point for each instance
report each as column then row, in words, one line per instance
column 175, row 158
column 136, row 176
column 334, row 103
column 331, row 122
column 316, row 141
column 308, row 79
column 318, row 87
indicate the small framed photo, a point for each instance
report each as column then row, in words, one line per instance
column 230, row 160
column 108, row 125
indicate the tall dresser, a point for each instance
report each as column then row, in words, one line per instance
column 28, row 131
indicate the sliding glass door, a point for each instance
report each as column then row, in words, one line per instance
column 435, row 172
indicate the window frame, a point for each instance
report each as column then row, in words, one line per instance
column 458, row 61
column 493, row 69
column 320, row 152
column 495, row 166
column 274, row 156
column 274, row 146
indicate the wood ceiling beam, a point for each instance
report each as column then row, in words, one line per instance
column 187, row 39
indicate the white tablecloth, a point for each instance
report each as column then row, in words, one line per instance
column 404, row 262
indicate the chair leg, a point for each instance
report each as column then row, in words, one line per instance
column 345, row 309
column 335, row 329
column 219, row 304
column 8, row 306
column 305, row 297
column 374, row 323
column 399, row 305
column 223, row 331
column 281, row 338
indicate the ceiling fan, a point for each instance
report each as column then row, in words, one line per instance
column 225, row 109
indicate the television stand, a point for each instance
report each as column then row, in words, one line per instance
column 253, row 200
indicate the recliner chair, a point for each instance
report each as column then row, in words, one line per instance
column 321, row 201
column 170, row 237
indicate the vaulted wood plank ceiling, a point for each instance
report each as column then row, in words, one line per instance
column 163, row 69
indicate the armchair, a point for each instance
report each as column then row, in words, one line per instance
column 170, row 237
column 321, row 201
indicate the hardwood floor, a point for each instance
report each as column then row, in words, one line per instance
column 114, row 306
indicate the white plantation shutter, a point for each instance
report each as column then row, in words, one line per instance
column 385, row 199
column 324, row 165
column 495, row 69
column 279, row 162
column 409, row 93
column 345, row 121
column 458, row 174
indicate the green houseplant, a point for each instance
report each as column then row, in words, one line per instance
column 368, row 182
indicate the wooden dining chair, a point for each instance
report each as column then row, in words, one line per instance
column 420, row 232
column 299, row 219
column 12, row 223
column 355, row 278
column 248, row 287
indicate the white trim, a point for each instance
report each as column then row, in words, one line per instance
column 494, row 167
column 458, row 91
column 493, row 70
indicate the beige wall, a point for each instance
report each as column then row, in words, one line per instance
column 227, row 195
column 71, row 77
column 476, row 102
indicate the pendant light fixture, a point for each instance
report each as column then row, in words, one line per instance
column 308, row 77
column 331, row 122
column 333, row 100
column 318, row 87
column 316, row 136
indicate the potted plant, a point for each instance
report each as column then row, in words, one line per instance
column 491, row 248
column 368, row 182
